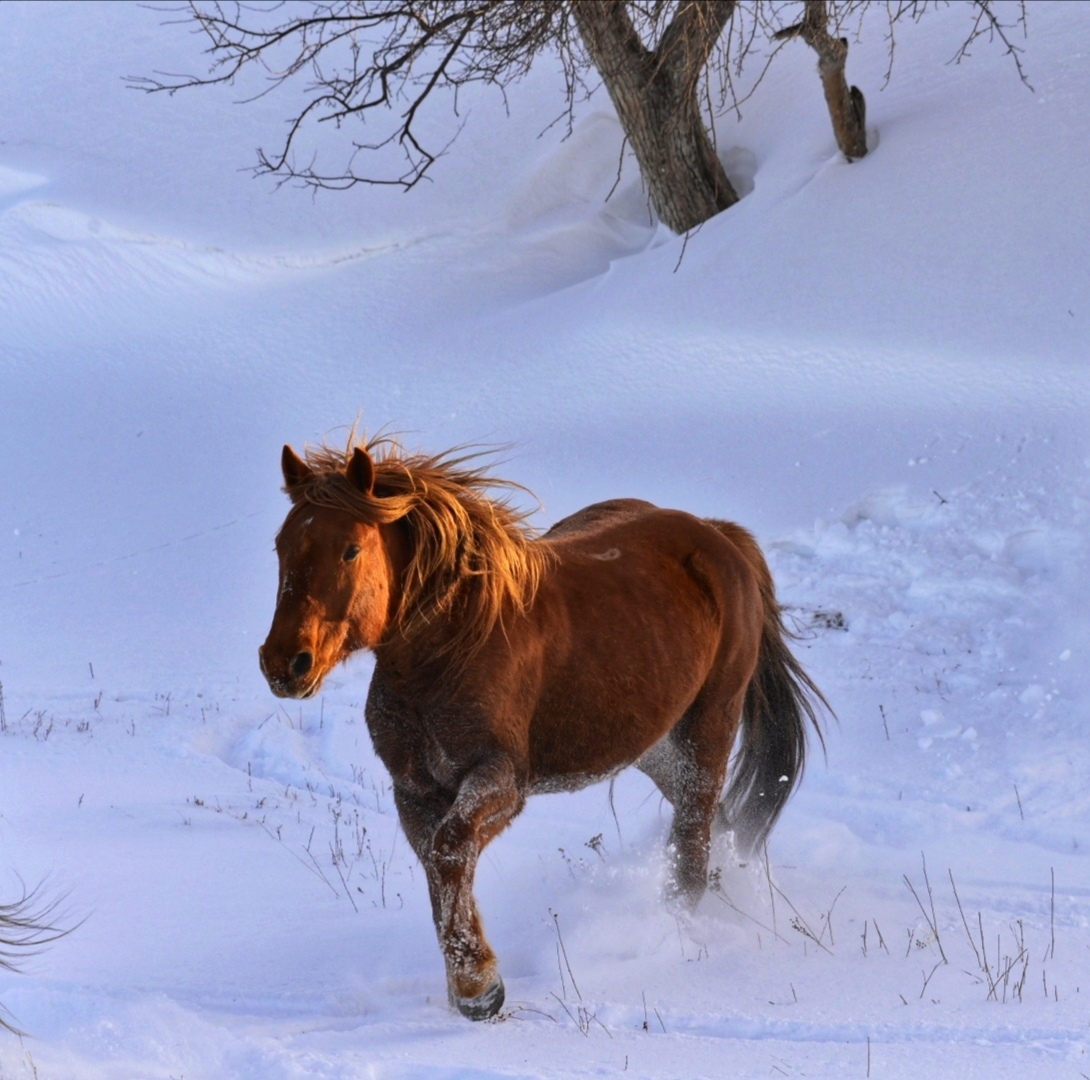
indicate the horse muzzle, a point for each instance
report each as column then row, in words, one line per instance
column 297, row 680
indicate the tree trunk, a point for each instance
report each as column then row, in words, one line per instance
column 847, row 107
column 655, row 94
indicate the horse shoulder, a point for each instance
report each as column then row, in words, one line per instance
column 431, row 721
column 395, row 724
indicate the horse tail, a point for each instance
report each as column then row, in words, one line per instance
column 780, row 701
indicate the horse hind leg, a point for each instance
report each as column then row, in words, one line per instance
column 689, row 767
column 659, row 763
column 691, row 832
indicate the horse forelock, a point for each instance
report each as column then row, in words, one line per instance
column 472, row 552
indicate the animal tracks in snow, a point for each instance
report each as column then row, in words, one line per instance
column 50, row 252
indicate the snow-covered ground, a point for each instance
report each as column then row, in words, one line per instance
column 880, row 368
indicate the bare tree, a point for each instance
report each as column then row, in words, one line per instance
column 668, row 66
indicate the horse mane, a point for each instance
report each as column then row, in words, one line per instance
column 472, row 553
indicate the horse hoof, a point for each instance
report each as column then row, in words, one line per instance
column 483, row 1005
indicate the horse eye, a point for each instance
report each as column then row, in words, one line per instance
column 351, row 552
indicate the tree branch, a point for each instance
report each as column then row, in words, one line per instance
column 847, row 107
column 416, row 48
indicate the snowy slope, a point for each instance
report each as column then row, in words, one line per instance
column 880, row 368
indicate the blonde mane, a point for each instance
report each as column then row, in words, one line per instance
column 471, row 551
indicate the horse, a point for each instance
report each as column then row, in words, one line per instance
column 508, row 663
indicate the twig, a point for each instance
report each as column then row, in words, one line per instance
column 721, row 895
column 985, row 967
column 927, row 978
column 347, row 891
column 771, row 889
column 799, row 923
column 1052, row 915
column 564, row 953
column 829, row 915
column 613, row 811
column 932, row 919
column 964, row 921
column 584, row 1028
column 27, row 926
column 881, row 940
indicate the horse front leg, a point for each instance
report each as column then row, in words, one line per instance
column 488, row 798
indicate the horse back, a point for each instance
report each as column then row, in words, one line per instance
column 716, row 556
column 599, row 514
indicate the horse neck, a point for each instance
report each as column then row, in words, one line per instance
column 397, row 543
column 416, row 650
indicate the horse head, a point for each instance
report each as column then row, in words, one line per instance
column 338, row 581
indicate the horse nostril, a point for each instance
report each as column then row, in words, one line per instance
column 302, row 664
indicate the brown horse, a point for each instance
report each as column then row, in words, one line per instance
column 508, row 664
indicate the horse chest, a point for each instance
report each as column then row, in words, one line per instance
column 424, row 742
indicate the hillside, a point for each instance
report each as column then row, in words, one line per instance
column 879, row 368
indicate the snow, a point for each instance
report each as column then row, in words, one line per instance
column 880, row 368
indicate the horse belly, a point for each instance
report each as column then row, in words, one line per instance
column 591, row 740
column 621, row 685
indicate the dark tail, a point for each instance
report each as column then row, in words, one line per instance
column 780, row 701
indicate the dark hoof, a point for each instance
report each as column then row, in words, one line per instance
column 483, row 1005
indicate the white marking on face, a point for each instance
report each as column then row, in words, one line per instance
column 607, row 556
column 285, row 588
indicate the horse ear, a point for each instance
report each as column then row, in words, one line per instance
column 361, row 470
column 295, row 469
